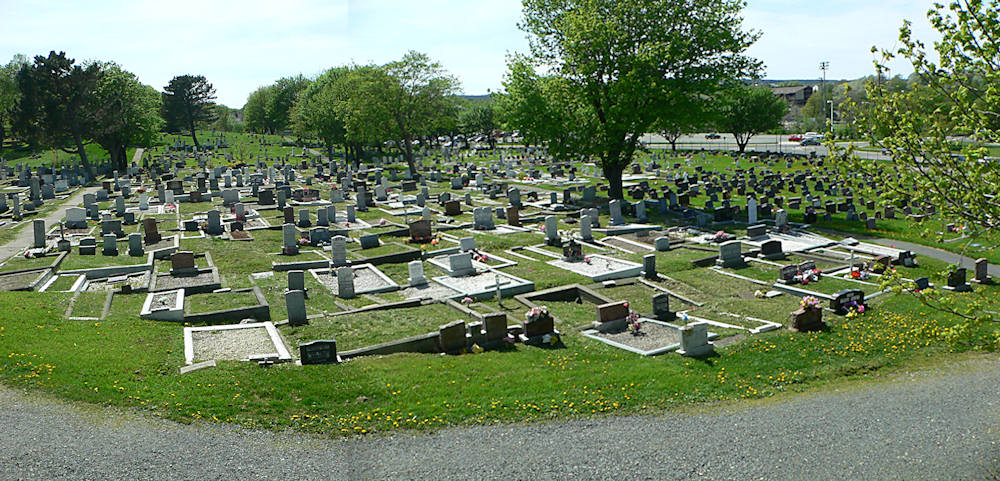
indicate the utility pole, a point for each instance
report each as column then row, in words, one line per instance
column 824, row 65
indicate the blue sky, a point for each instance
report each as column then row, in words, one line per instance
column 242, row 45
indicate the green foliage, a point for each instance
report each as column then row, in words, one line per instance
column 317, row 111
column 268, row 109
column 227, row 120
column 187, row 102
column 10, row 93
column 56, row 104
column 748, row 111
column 956, row 94
column 127, row 113
column 616, row 68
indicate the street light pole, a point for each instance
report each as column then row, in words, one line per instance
column 824, row 65
column 831, row 115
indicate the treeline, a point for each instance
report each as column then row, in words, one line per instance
column 364, row 108
column 53, row 102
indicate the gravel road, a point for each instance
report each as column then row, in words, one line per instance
column 938, row 424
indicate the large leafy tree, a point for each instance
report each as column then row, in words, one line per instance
column 255, row 110
column 621, row 64
column 9, row 93
column 478, row 118
column 126, row 113
column 268, row 109
column 187, row 102
column 746, row 111
column 407, row 98
column 318, row 110
column 686, row 115
column 953, row 91
column 56, row 104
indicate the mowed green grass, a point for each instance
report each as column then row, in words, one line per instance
column 126, row 361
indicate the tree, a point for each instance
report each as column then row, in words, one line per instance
column 318, row 109
column 924, row 166
column 127, row 113
column 279, row 106
column 9, row 92
column 687, row 115
column 748, row 111
column 409, row 97
column 621, row 64
column 255, row 110
column 56, row 104
column 188, row 101
column 227, row 119
column 478, row 118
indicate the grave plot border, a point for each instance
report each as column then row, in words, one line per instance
column 594, row 334
column 392, row 287
column 215, row 284
column 77, row 284
column 166, row 252
column 634, row 269
column 99, row 272
column 515, row 286
column 645, row 248
column 260, row 312
column 44, row 273
column 302, row 265
column 407, row 255
column 279, row 345
column 174, row 313
column 54, row 265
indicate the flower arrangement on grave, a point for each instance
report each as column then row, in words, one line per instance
column 684, row 317
column 536, row 313
column 807, row 276
column 303, row 241
column 633, row 324
column 759, row 294
column 720, row 236
column 382, row 221
column 810, row 302
column 467, row 300
column 854, row 309
column 480, row 257
column 588, row 259
column 862, row 273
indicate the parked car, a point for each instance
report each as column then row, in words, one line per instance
column 795, row 138
column 713, row 136
column 811, row 141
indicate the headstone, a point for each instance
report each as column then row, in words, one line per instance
column 452, row 335
column 757, row 230
column 781, row 219
column 452, row 208
column 772, row 249
column 338, row 249
column 661, row 307
column 295, row 305
column 289, row 239
column 135, row 244
column 38, row 229
column 616, row 212
column 461, row 264
column 662, row 244
column 416, row 269
column 982, row 272
column 730, row 254
column 513, row 216
column 420, row 231
column 369, row 241
column 552, row 231
column 150, row 232
column 694, row 341
column 345, row 282
column 612, row 311
column 322, row 351
column 110, row 245
column 585, row 226
column 214, row 222
column 88, row 246
column 649, row 266
column 296, row 280
column 752, row 211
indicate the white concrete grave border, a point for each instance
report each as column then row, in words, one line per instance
column 279, row 346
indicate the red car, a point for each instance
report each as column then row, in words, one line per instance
column 795, row 138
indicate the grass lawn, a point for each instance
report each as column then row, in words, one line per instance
column 201, row 303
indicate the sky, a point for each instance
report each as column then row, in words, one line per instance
column 242, row 45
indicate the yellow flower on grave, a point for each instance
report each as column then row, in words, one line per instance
column 476, row 349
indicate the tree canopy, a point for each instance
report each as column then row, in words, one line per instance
column 56, row 104
column 747, row 111
column 126, row 113
column 616, row 67
column 188, row 101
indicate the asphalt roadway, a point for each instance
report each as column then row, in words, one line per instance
column 935, row 424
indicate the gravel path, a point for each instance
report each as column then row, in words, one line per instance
column 939, row 424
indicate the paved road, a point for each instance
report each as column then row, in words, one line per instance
column 949, row 257
column 25, row 237
column 929, row 425
column 759, row 143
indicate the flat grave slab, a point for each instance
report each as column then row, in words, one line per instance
column 600, row 268
column 656, row 337
column 485, row 284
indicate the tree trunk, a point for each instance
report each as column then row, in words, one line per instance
column 194, row 136
column 3, row 135
column 408, row 144
column 613, row 174
column 83, row 157
column 123, row 160
column 673, row 145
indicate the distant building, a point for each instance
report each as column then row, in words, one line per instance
column 796, row 97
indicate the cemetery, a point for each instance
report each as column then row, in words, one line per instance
column 285, row 268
